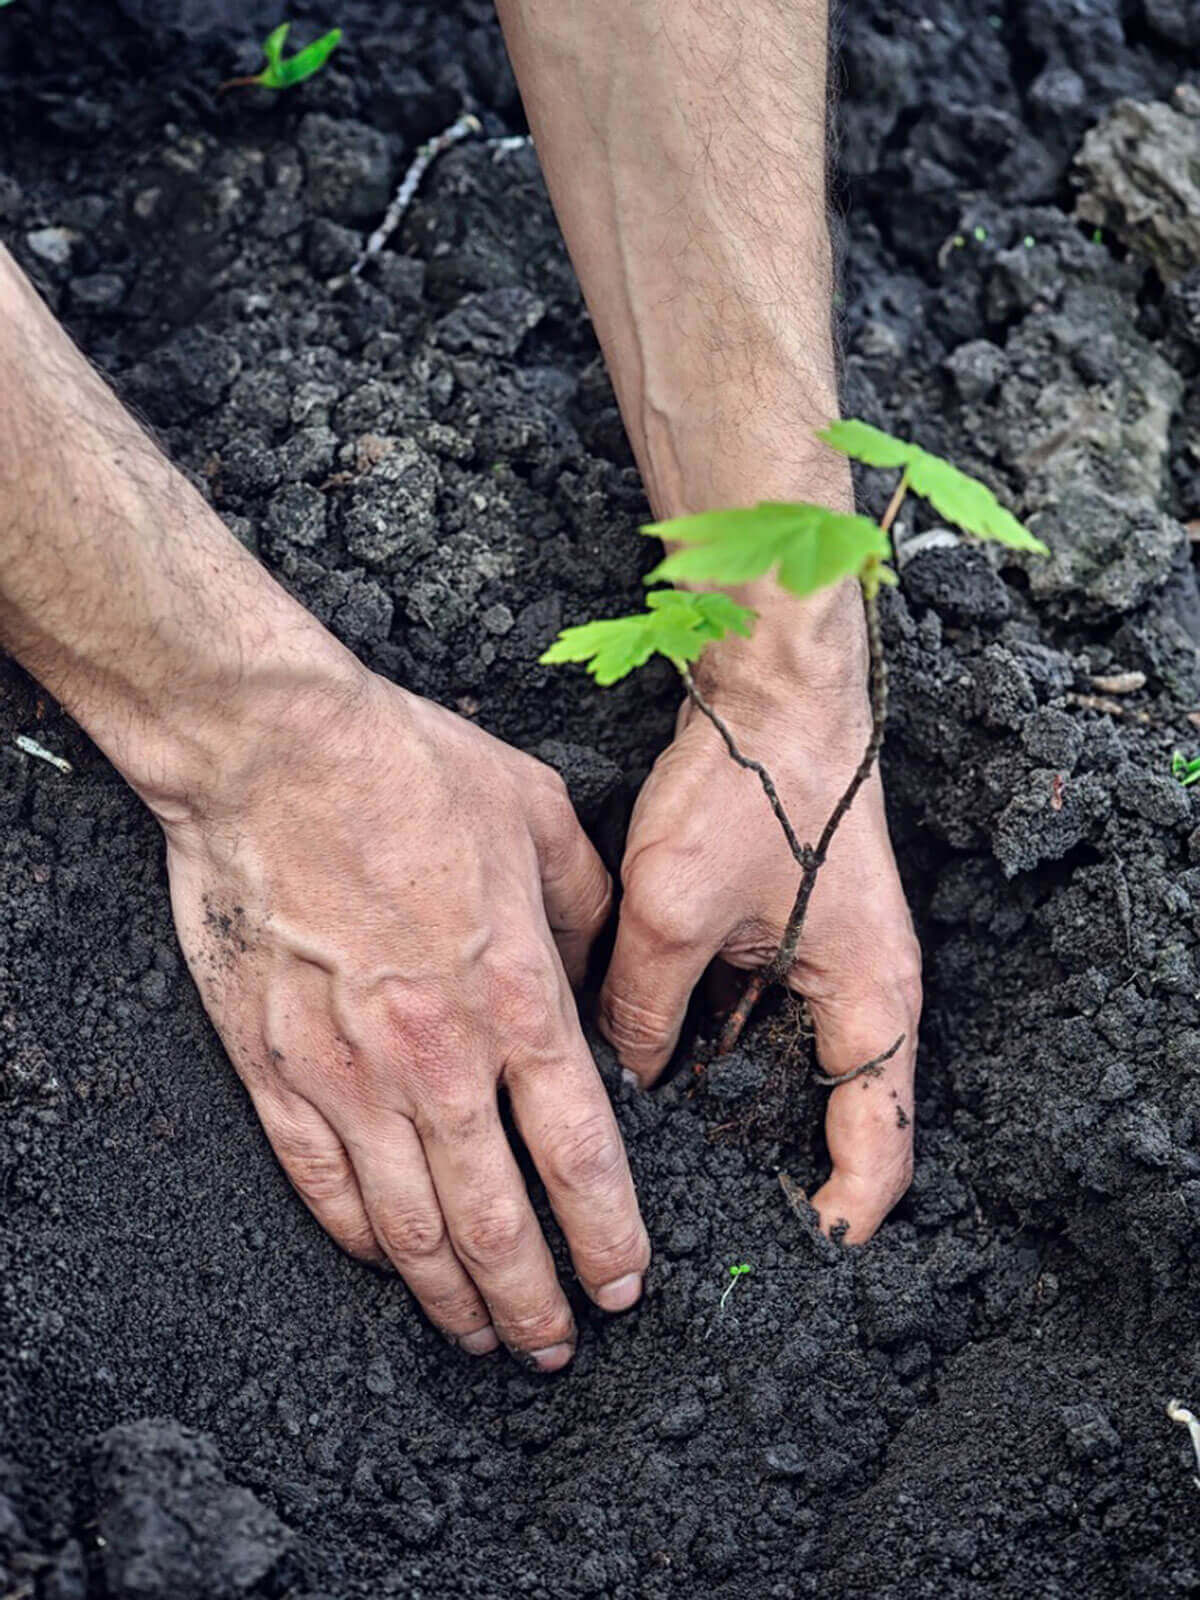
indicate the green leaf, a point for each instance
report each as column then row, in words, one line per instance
column 281, row 74
column 958, row 497
column 273, row 44
column 675, row 624
column 811, row 546
column 1185, row 770
column 967, row 502
column 871, row 446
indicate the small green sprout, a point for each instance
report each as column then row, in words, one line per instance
column 959, row 241
column 1186, row 769
column 979, row 233
column 282, row 74
column 1029, row 241
column 1097, row 235
column 735, row 1272
column 807, row 548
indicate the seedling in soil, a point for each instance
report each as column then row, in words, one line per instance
column 808, row 548
column 1187, row 771
column 1181, row 1414
column 736, row 1272
column 280, row 73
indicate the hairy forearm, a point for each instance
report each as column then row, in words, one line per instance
column 684, row 145
column 683, row 142
column 120, row 589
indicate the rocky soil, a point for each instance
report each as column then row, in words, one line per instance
column 199, row 1397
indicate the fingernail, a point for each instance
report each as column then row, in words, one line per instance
column 552, row 1357
column 620, row 1294
column 480, row 1343
column 630, row 1079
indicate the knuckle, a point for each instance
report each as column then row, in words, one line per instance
column 492, row 1236
column 586, row 1157
column 631, row 1025
column 546, row 1323
column 322, row 1175
column 413, row 1235
column 525, row 995
column 657, row 914
column 625, row 1252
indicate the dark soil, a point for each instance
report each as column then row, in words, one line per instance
column 199, row 1397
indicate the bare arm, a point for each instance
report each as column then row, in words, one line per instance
column 684, row 146
column 382, row 907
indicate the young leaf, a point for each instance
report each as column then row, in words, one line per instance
column 281, row 74
column 811, row 546
column 871, row 446
column 675, row 624
column 273, row 44
column 967, row 502
column 959, row 498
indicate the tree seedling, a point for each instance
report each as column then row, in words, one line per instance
column 735, row 1272
column 1186, row 770
column 808, row 548
column 282, row 74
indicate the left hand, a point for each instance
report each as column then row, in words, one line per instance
column 707, row 874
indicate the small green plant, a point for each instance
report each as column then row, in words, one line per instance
column 735, row 1272
column 280, row 73
column 807, row 548
column 1185, row 769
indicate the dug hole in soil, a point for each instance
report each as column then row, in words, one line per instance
column 199, row 1396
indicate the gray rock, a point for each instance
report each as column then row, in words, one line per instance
column 493, row 323
column 1140, row 168
column 592, row 779
column 98, row 291
column 390, row 514
column 1053, row 739
column 296, row 516
column 331, row 249
column 171, row 1525
column 52, row 245
column 349, row 168
column 976, row 368
column 956, row 579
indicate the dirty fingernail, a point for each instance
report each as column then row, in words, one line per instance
column 630, row 1079
column 552, row 1357
column 480, row 1343
column 620, row 1294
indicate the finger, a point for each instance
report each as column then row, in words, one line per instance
column 657, row 961
column 567, row 1122
column 576, row 887
column 319, row 1168
column 869, row 1121
column 407, row 1220
column 493, row 1229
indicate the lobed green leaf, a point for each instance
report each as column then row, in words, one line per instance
column 955, row 495
column 810, row 546
column 675, row 624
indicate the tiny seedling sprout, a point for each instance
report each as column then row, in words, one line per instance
column 1186, row 769
column 281, row 73
column 735, row 1272
column 807, row 548
column 1180, row 1413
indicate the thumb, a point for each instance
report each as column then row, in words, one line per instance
column 656, row 963
column 869, row 1121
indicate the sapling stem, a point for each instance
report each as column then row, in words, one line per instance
column 809, row 858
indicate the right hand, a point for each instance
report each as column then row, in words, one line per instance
column 383, row 912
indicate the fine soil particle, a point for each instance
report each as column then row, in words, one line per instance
column 198, row 1394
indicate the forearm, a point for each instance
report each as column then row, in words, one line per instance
column 120, row 589
column 683, row 143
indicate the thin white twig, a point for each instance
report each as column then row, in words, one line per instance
column 462, row 128
column 32, row 748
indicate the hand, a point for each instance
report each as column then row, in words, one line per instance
column 708, row 874
column 382, row 909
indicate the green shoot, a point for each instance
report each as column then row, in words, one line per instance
column 735, row 1272
column 1186, row 770
column 807, row 548
column 281, row 73
column 676, row 624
